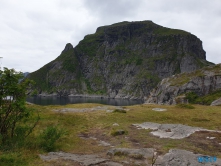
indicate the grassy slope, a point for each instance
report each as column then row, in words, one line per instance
column 99, row 125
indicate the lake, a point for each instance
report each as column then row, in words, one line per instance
column 53, row 100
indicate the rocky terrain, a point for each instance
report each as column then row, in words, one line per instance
column 122, row 60
column 203, row 82
column 112, row 155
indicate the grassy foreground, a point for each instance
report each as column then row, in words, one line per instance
column 99, row 124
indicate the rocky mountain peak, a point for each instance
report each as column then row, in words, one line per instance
column 67, row 47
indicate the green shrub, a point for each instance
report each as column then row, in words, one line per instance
column 192, row 97
column 206, row 100
column 188, row 106
column 120, row 111
column 34, row 93
column 49, row 137
column 118, row 132
column 12, row 159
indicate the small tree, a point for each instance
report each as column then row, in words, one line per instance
column 13, row 111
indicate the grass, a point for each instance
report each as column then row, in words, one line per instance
column 99, row 124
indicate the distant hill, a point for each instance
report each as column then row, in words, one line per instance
column 122, row 60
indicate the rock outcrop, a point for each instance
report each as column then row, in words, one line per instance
column 216, row 102
column 202, row 82
column 123, row 60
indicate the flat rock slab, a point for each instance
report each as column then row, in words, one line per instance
column 174, row 131
column 178, row 157
column 159, row 109
column 134, row 153
column 85, row 160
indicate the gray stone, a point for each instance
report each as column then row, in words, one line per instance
column 210, row 137
column 177, row 157
column 85, row 160
column 159, row 109
column 216, row 102
column 110, row 163
column 115, row 124
column 103, row 143
column 173, row 131
column 133, row 153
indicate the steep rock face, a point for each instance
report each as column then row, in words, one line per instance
column 202, row 82
column 123, row 60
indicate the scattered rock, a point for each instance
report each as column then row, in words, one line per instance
column 210, row 137
column 177, row 157
column 103, row 143
column 174, row 131
column 110, row 163
column 159, row 109
column 109, row 111
column 115, row 124
column 93, row 138
column 132, row 153
column 216, row 102
column 85, row 160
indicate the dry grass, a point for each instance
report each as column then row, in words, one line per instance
column 99, row 124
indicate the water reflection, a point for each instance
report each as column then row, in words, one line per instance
column 73, row 100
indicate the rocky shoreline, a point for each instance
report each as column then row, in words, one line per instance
column 87, row 96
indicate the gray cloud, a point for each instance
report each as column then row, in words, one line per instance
column 33, row 33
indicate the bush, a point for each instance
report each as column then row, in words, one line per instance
column 120, row 111
column 188, row 106
column 49, row 137
column 13, row 113
column 192, row 97
column 118, row 132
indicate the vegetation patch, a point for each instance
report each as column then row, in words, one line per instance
column 188, row 106
column 120, row 111
column 205, row 100
column 118, row 132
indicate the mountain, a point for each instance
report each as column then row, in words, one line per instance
column 201, row 86
column 122, row 60
column 26, row 74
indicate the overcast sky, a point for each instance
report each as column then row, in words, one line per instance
column 34, row 32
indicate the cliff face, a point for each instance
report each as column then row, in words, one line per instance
column 123, row 60
column 201, row 82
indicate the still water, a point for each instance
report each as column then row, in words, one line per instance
column 73, row 100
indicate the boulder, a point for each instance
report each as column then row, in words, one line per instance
column 216, row 102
